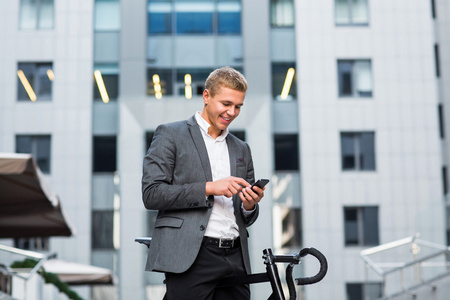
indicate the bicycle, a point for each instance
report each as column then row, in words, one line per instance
column 271, row 275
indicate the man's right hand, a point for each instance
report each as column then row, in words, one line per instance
column 226, row 187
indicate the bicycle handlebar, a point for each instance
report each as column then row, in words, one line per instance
column 323, row 267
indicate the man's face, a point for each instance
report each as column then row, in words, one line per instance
column 222, row 109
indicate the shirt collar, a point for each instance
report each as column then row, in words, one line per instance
column 204, row 125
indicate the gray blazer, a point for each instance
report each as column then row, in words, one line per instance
column 175, row 171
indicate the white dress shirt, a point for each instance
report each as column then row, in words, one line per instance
column 222, row 223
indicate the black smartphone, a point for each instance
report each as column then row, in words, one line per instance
column 260, row 183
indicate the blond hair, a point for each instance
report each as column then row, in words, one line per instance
column 227, row 77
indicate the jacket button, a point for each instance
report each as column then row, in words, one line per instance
column 202, row 228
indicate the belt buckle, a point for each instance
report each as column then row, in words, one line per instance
column 221, row 243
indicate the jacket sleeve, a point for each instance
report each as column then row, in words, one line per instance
column 160, row 190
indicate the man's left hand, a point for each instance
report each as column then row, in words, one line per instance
column 251, row 196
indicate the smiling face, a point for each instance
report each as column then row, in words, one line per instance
column 221, row 109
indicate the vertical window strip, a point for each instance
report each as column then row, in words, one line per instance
column 441, row 121
column 444, row 180
column 433, row 9
column 436, row 60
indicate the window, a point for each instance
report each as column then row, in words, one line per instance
column 36, row 14
column 106, row 82
column 34, row 81
column 368, row 291
column 104, row 154
column 358, row 151
column 228, row 17
column 433, row 9
column 194, row 17
column 291, row 235
column 436, row 60
column 441, row 121
column 178, row 82
column 286, row 152
column 284, row 81
column 444, row 180
column 361, row 226
column 355, row 78
column 159, row 82
column 102, row 229
column 33, row 244
column 159, row 17
column 37, row 145
column 282, row 13
column 351, row 12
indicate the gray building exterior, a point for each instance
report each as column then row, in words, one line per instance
column 356, row 149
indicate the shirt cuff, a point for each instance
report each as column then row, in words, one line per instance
column 247, row 213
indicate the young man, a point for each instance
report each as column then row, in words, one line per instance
column 198, row 176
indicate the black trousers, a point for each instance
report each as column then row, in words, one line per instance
column 199, row 281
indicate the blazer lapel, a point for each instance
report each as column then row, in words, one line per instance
column 232, row 150
column 201, row 148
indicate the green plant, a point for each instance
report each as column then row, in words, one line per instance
column 48, row 277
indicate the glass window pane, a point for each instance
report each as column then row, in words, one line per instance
column 354, row 291
column 104, row 154
column 348, row 151
column 107, row 15
column 370, row 225
column 110, row 76
column 229, row 23
column 351, row 226
column 291, row 228
column 28, row 14
column 43, row 83
column 363, row 78
column 159, row 23
column 282, row 13
column 194, row 23
column 45, row 14
column 360, row 12
column 159, row 18
column 38, row 146
column 342, row 11
column 163, row 77
column 23, row 144
column 345, row 78
column 102, row 229
column 367, row 151
column 38, row 77
column 280, row 73
column 28, row 70
column 43, row 153
column 286, row 152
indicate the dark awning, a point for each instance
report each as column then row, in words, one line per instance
column 28, row 208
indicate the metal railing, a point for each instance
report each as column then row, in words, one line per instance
column 411, row 273
column 40, row 257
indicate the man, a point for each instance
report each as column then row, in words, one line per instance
column 198, row 176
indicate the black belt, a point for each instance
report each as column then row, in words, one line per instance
column 222, row 243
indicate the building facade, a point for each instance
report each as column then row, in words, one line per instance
column 345, row 114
